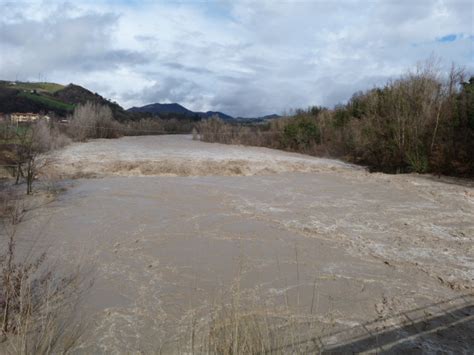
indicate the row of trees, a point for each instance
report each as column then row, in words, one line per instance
column 22, row 147
column 93, row 120
column 422, row 122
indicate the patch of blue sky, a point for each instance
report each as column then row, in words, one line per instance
column 448, row 38
column 217, row 10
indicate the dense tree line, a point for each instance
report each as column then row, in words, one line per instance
column 421, row 122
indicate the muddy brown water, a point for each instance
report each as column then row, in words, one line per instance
column 169, row 227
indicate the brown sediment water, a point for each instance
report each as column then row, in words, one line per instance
column 171, row 223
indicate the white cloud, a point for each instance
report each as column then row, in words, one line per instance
column 242, row 57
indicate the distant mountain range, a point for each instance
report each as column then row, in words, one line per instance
column 36, row 97
column 175, row 108
column 167, row 109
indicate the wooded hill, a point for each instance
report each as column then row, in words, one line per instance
column 51, row 97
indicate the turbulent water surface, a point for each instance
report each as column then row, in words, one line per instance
column 171, row 223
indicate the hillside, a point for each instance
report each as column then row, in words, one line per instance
column 50, row 97
column 43, row 87
column 59, row 99
column 210, row 114
column 75, row 94
column 32, row 97
column 162, row 108
column 166, row 110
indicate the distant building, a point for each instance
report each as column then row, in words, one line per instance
column 27, row 117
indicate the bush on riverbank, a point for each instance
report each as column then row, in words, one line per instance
column 22, row 149
column 93, row 120
column 38, row 301
column 154, row 126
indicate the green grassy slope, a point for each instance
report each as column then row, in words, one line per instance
column 50, row 88
column 47, row 101
column 50, row 97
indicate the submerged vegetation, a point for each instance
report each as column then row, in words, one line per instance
column 240, row 324
column 421, row 122
column 38, row 300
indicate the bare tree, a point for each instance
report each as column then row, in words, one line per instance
column 37, row 302
column 32, row 142
column 93, row 120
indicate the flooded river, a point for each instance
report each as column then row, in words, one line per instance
column 170, row 224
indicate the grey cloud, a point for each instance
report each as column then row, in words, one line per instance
column 259, row 99
column 185, row 68
column 230, row 79
column 81, row 43
column 121, row 56
column 241, row 102
column 145, row 38
column 169, row 89
column 262, row 57
column 340, row 92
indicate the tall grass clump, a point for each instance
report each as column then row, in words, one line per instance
column 37, row 299
column 249, row 329
column 244, row 321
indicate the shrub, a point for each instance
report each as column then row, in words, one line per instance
column 301, row 135
column 242, row 324
column 37, row 301
column 30, row 144
column 93, row 120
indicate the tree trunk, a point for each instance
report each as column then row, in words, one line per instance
column 29, row 177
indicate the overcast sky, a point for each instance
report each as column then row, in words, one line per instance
column 245, row 58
